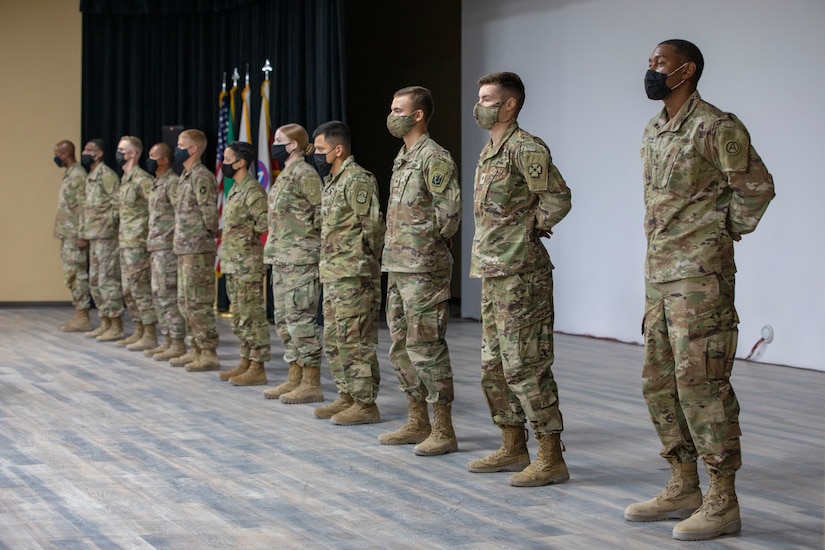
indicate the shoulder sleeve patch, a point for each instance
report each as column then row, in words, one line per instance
column 312, row 190
column 360, row 200
column 440, row 173
column 732, row 144
column 535, row 167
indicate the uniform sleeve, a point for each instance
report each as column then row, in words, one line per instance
column 111, row 185
column 544, row 180
column 750, row 182
column 257, row 209
column 441, row 177
column 79, row 198
column 363, row 199
column 311, row 188
column 172, row 191
column 206, row 194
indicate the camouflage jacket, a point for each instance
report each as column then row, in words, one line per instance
column 704, row 185
column 100, row 215
column 244, row 221
column 424, row 209
column 162, row 200
column 294, row 216
column 70, row 202
column 518, row 194
column 352, row 228
column 134, row 208
column 196, row 213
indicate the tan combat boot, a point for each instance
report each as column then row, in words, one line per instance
column 343, row 402
column 547, row 468
column 292, row 382
column 718, row 515
column 79, row 323
column 358, row 413
column 308, row 391
column 149, row 339
column 242, row 367
column 512, row 456
column 114, row 333
column 417, row 428
column 176, row 349
column 160, row 348
column 679, row 500
column 189, row 357
column 134, row 337
column 104, row 325
column 254, row 376
column 442, row 438
column 207, row 360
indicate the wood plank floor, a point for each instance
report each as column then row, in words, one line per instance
column 104, row 448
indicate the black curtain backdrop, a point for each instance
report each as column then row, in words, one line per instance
column 150, row 63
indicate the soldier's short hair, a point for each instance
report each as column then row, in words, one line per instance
column 244, row 151
column 509, row 82
column 98, row 143
column 165, row 151
column 67, row 145
column 134, row 142
column 197, row 137
column 421, row 98
column 690, row 53
column 335, row 133
column 298, row 134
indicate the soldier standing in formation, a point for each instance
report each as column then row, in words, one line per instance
column 293, row 248
column 704, row 187
column 244, row 221
column 352, row 232
column 164, row 263
column 519, row 196
column 99, row 231
column 135, row 186
column 67, row 224
column 423, row 215
column 196, row 228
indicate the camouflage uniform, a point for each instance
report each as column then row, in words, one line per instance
column 352, row 232
column 244, row 221
column 164, row 263
column 66, row 228
column 100, row 228
column 423, row 214
column 134, row 258
column 705, row 186
column 293, row 248
column 518, row 194
column 196, row 222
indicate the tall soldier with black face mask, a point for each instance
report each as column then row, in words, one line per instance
column 66, row 228
column 704, row 187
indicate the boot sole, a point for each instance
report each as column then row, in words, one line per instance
column 301, row 401
column 560, row 478
column 517, row 467
column 438, row 452
column 358, row 423
column 682, row 513
column 241, row 384
column 729, row 529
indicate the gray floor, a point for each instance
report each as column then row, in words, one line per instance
column 104, row 448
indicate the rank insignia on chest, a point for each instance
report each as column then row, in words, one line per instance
column 497, row 173
column 535, row 169
column 361, row 196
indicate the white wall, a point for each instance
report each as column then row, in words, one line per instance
column 583, row 62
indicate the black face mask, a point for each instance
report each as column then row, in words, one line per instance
column 322, row 165
column 181, row 156
column 228, row 171
column 58, row 161
column 656, row 84
column 119, row 158
column 279, row 153
column 152, row 166
column 87, row 161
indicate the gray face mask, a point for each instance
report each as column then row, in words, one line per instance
column 486, row 117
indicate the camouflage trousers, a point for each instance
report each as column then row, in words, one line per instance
column 136, row 274
column 517, row 350
column 196, row 295
column 104, row 277
column 164, row 265
column 246, row 294
column 417, row 313
column 690, row 331
column 351, row 336
column 76, row 272
column 295, row 292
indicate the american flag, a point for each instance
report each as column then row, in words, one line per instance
column 224, row 131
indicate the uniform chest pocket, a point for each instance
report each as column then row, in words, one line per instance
column 676, row 169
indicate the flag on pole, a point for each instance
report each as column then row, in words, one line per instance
column 264, row 139
column 223, row 130
column 245, row 130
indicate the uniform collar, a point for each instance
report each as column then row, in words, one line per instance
column 491, row 150
column 404, row 154
column 687, row 108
